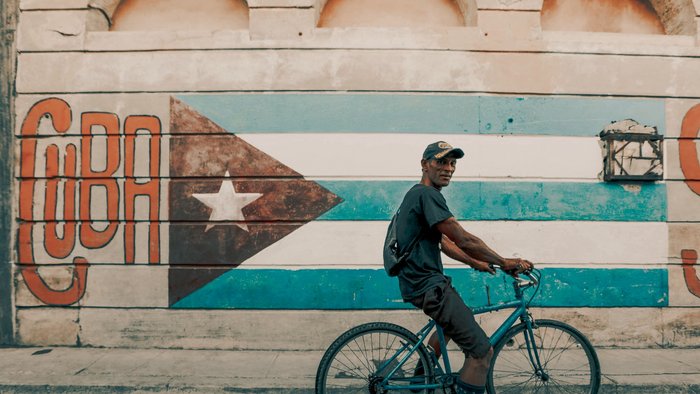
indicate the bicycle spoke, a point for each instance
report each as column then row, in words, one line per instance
column 364, row 352
column 354, row 366
column 558, row 355
column 349, row 372
column 561, row 388
column 518, row 387
column 554, row 346
column 353, row 353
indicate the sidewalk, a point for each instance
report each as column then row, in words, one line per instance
column 108, row 370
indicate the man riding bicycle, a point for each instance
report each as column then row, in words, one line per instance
column 425, row 217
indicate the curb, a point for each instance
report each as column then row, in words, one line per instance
column 107, row 389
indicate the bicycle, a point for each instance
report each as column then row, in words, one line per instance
column 530, row 356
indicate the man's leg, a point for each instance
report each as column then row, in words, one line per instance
column 434, row 343
column 475, row 370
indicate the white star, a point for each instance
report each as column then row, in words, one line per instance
column 227, row 204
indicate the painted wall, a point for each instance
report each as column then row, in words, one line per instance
column 231, row 188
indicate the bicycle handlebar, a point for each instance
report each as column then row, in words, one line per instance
column 534, row 277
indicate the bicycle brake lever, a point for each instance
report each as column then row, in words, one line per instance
column 522, row 282
column 534, row 279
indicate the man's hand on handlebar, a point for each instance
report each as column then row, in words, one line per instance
column 515, row 266
column 482, row 266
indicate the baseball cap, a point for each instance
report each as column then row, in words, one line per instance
column 440, row 149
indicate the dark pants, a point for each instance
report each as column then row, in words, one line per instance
column 444, row 305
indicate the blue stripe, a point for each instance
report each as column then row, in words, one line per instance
column 372, row 289
column 378, row 200
column 422, row 113
column 339, row 112
column 565, row 116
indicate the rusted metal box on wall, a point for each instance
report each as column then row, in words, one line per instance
column 632, row 152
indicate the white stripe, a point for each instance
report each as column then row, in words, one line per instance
column 359, row 244
column 392, row 155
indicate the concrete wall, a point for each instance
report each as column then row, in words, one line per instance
column 231, row 188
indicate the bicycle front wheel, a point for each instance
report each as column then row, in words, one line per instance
column 569, row 361
column 360, row 359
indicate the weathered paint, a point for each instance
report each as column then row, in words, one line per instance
column 373, row 289
column 378, row 200
column 421, row 113
column 548, row 93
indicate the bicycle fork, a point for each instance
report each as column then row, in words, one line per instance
column 533, row 352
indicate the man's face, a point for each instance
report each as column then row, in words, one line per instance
column 439, row 171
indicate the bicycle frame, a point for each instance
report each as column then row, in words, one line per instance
column 519, row 304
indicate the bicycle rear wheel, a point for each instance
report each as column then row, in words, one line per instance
column 569, row 361
column 359, row 360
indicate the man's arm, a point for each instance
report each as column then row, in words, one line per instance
column 474, row 247
column 451, row 250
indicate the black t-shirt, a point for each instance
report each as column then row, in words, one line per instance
column 422, row 208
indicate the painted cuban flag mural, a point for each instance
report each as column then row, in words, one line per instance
column 281, row 201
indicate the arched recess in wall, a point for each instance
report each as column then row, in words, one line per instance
column 149, row 15
column 397, row 13
column 620, row 16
